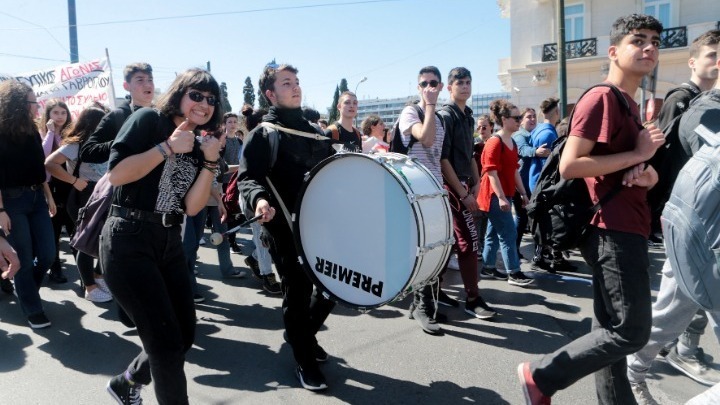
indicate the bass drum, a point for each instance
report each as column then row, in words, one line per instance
column 372, row 228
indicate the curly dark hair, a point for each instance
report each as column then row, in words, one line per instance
column 500, row 108
column 624, row 25
column 15, row 118
column 196, row 79
column 369, row 122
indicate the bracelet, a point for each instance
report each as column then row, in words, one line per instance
column 466, row 196
column 74, row 181
column 162, row 151
column 169, row 147
column 214, row 162
column 429, row 104
column 213, row 171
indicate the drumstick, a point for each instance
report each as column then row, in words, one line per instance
column 217, row 238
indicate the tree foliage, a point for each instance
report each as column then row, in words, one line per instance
column 249, row 92
column 332, row 110
column 343, row 86
column 224, row 102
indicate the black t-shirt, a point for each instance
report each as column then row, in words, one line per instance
column 458, row 142
column 22, row 161
column 163, row 189
column 350, row 139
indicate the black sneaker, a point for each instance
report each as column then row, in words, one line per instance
column 6, row 286
column 123, row 391
column 444, row 299
column 311, row 378
column 38, row 321
column 321, row 355
column 56, row 276
column 479, row 309
column 198, row 298
column 519, row 279
column 252, row 264
column 539, row 263
column 563, row 265
column 492, row 272
column 235, row 247
column 270, row 284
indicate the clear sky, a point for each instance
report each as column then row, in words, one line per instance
column 387, row 41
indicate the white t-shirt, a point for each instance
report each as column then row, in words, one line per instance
column 430, row 157
column 88, row 171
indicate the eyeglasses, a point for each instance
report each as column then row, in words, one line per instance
column 517, row 118
column 431, row 83
column 32, row 102
column 198, row 97
column 483, row 127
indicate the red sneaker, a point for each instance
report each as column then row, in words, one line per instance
column 533, row 395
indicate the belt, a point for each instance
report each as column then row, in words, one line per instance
column 166, row 220
column 34, row 187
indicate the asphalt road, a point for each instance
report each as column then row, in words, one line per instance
column 380, row 357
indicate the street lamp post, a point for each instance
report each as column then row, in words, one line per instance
column 356, row 87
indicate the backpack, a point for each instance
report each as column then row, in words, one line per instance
column 396, row 143
column 670, row 158
column 91, row 218
column 561, row 209
column 231, row 199
column 690, row 223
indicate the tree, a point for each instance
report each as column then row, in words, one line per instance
column 263, row 102
column 249, row 92
column 343, row 86
column 333, row 111
column 224, row 102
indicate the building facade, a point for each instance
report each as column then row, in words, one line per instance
column 530, row 74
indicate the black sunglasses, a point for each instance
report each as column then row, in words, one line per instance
column 483, row 127
column 198, row 97
column 431, row 83
column 517, row 118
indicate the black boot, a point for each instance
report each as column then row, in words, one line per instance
column 56, row 274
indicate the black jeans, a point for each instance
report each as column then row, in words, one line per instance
column 621, row 325
column 145, row 268
column 304, row 309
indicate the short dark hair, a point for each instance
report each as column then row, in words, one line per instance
column 369, row 122
column 624, row 25
column 430, row 69
column 322, row 121
column 527, row 110
column 311, row 114
column 500, row 108
column 549, row 104
column 228, row 115
column 139, row 67
column 457, row 74
column 709, row 38
column 254, row 119
column 197, row 79
column 269, row 75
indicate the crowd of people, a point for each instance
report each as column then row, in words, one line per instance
column 176, row 161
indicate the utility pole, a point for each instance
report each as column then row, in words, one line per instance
column 562, row 73
column 72, row 26
column 208, row 66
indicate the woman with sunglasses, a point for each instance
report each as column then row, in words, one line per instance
column 160, row 173
column 500, row 179
column 25, row 200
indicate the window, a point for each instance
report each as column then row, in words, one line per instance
column 660, row 9
column 574, row 22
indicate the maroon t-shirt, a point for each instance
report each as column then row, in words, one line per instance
column 600, row 117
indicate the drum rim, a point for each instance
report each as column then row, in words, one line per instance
column 301, row 251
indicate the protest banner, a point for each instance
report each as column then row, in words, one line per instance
column 77, row 84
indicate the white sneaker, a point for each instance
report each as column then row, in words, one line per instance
column 642, row 394
column 97, row 295
column 100, row 282
column 453, row 263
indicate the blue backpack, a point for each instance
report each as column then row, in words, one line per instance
column 691, row 224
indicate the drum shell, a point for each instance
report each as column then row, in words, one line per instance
column 370, row 228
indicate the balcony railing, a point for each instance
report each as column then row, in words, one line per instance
column 673, row 38
column 581, row 48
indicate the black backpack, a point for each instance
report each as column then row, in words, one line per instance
column 561, row 209
column 396, row 143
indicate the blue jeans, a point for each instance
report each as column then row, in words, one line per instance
column 223, row 249
column 31, row 235
column 621, row 323
column 194, row 227
column 500, row 226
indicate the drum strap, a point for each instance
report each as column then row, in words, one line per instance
column 283, row 207
column 276, row 127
